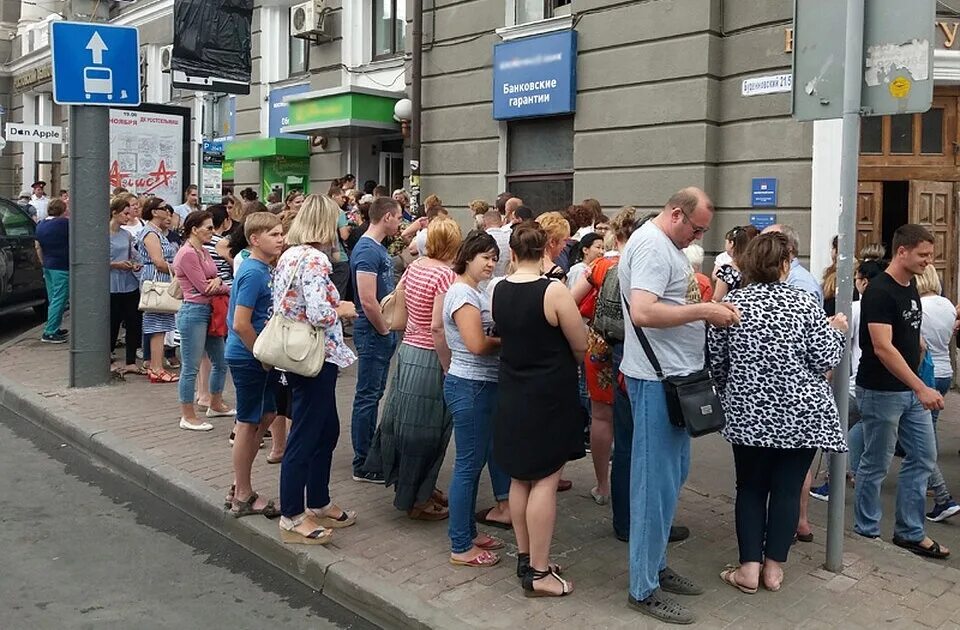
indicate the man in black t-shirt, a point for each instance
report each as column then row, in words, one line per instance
column 893, row 399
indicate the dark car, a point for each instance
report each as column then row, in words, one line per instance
column 21, row 274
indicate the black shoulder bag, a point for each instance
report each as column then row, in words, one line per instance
column 692, row 400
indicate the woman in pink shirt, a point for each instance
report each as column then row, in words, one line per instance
column 200, row 282
column 416, row 425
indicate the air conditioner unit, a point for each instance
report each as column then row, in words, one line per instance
column 166, row 55
column 307, row 20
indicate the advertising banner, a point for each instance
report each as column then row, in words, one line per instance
column 146, row 153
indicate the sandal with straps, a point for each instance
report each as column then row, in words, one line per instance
column 245, row 508
column 533, row 575
column 346, row 518
column 162, row 376
column 289, row 534
column 523, row 565
column 429, row 512
column 482, row 559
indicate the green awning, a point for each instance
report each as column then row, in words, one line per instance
column 340, row 112
column 260, row 148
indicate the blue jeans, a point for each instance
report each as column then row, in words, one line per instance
column 57, row 283
column 374, row 352
column 622, row 448
column 472, row 404
column 941, row 494
column 885, row 417
column 314, row 432
column 192, row 322
column 661, row 461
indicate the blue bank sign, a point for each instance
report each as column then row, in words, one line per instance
column 535, row 76
column 280, row 111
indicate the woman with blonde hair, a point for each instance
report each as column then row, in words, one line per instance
column 557, row 229
column 303, row 291
column 415, row 427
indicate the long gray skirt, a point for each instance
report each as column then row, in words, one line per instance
column 414, row 429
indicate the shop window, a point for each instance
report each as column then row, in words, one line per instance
column 389, row 21
column 533, row 10
column 540, row 162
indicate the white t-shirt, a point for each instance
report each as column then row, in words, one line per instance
column 652, row 263
column 939, row 316
column 238, row 259
column 502, row 236
column 574, row 274
column 855, row 351
column 134, row 230
column 40, row 203
column 421, row 242
column 723, row 258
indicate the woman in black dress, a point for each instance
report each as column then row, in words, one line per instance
column 538, row 425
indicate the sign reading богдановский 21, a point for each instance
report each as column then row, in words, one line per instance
column 535, row 76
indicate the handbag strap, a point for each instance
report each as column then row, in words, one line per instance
column 644, row 341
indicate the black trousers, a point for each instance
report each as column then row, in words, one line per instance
column 124, row 308
column 769, row 482
column 342, row 280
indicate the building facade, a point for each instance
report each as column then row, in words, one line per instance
column 650, row 96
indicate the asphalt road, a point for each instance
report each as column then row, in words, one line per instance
column 17, row 322
column 84, row 548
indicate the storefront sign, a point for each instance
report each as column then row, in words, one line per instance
column 17, row 132
column 25, row 80
column 146, row 153
column 946, row 29
column 535, row 76
column 773, row 84
column 280, row 111
column 763, row 192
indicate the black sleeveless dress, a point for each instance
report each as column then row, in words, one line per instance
column 538, row 423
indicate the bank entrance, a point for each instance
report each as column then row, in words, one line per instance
column 910, row 173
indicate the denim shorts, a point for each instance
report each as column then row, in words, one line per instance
column 255, row 390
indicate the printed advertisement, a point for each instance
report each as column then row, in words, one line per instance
column 146, row 153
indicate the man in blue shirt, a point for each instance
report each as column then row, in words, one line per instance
column 53, row 249
column 371, row 270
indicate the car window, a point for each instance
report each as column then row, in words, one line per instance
column 15, row 221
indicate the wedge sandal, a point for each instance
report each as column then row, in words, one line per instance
column 290, row 536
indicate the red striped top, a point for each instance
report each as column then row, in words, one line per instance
column 422, row 284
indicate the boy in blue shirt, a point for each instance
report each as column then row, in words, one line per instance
column 251, row 304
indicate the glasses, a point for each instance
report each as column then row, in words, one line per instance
column 698, row 230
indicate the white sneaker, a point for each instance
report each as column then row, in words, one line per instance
column 213, row 413
column 189, row 426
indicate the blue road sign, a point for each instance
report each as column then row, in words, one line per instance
column 763, row 192
column 95, row 64
column 762, row 221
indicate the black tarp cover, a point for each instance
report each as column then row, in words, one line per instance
column 211, row 39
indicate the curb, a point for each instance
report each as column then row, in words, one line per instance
column 336, row 577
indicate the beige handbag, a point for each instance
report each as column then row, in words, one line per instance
column 291, row 345
column 393, row 308
column 160, row 297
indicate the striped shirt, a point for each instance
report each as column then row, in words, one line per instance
column 422, row 284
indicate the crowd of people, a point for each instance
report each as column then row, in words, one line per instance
column 572, row 316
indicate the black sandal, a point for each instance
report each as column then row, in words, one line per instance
column 933, row 551
column 523, row 565
column 534, row 575
column 245, row 508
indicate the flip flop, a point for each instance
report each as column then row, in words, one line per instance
column 933, row 551
column 484, row 559
column 492, row 544
column 729, row 575
column 481, row 517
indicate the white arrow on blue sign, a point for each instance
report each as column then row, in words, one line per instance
column 95, row 64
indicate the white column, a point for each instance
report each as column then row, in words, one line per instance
column 28, row 159
column 825, row 206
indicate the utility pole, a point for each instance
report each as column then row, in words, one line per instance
column 416, row 89
column 850, row 155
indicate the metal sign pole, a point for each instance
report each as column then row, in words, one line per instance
column 89, row 246
column 850, row 153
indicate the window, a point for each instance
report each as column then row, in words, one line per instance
column 912, row 139
column 15, row 221
column 533, row 10
column 540, row 162
column 389, row 20
column 299, row 56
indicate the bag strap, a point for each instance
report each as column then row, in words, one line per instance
column 644, row 341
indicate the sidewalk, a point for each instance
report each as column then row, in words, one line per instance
column 396, row 571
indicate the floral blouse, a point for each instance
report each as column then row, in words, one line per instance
column 311, row 297
column 730, row 276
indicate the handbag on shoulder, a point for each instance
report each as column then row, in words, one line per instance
column 692, row 400
column 289, row 344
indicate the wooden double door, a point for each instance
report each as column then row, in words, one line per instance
column 882, row 206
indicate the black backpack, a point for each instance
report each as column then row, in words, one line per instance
column 608, row 316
